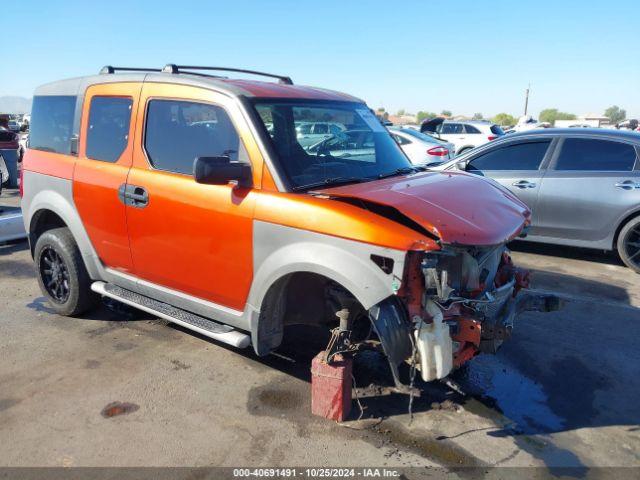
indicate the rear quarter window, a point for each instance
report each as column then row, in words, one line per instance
column 595, row 155
column 51, row 125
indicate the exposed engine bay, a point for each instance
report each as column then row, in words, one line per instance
column 452, row 304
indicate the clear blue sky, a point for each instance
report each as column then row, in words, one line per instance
column 465, row 56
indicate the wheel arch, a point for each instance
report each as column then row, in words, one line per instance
column 55, row 208
column 621, row 224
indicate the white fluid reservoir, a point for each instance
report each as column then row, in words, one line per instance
column 434, row 346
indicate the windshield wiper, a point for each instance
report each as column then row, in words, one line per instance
column 331, row 182
column 403, row 171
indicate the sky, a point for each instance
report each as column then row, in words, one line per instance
column 464, row 56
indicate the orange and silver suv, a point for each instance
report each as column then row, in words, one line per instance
column 189, row 195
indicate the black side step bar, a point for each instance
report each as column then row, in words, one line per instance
column 206, row 327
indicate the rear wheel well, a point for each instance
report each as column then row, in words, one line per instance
column 43, row 221
column 626, row 220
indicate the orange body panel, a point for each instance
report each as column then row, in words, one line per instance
column 95, row 186
column 48, row 163
column 331, row 217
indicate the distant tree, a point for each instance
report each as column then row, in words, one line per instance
column 381, row 109
column 504, row 119
column 477, row 116
column 446, row 113
column 401, row 112
column 615, row 114
column 552, row 114
column 420, row 116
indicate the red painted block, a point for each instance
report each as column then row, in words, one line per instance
column 331, row 387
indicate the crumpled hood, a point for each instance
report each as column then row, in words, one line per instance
column 457, row 207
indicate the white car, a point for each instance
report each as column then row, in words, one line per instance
column 464, row 134
column 421, row 148
column 310, row 133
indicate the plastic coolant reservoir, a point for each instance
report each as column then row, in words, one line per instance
column 435, row 346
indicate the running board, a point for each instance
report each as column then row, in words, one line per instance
column 204, row 326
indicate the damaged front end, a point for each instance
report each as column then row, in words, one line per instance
column 453, row 304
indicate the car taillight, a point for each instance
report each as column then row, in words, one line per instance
column 438, row 151
column 21, row 181
column 492, row 137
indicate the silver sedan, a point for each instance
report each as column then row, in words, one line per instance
column 582, row 185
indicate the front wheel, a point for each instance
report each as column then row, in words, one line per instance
column 629, row 244
column 61, row 273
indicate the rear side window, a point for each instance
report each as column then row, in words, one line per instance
column 471, row 129
column 51, row 125
column 596, row 155
column 496, row 130
column 448, row 128
column 108, row 130
column 400, row 140
column 522, row 156
column 178, row 132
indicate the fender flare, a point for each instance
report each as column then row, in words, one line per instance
column 280, row 251
column 57, row 202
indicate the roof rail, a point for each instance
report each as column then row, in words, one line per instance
column 171, row 68
column 107, row 69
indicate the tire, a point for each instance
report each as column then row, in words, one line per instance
column 629, row 244
column 61, row 273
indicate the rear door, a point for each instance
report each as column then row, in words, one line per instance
column 517, row 165
column 104, row 159
column 589, row 186
column 453, row 132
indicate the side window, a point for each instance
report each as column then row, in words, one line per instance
column 449, row 128
column 108, row 129
column 51, row 125
column 401, row 140
column 177, row 132
column 596, row 155
column 522, row 156
column 320, row 128
column 471, row 129
column 334, row 129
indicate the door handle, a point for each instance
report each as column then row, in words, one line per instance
column 524, row 184
column 627, row 185
column 133, row 195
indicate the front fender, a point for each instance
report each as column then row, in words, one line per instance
column 280, row 250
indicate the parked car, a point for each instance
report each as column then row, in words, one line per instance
column 13, row 126
column 310, row 133
column 4, row 173
column 262, row 233
column 583, row 185
column 465, row 135
column 422, row 149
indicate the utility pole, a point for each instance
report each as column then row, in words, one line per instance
column 526, row 100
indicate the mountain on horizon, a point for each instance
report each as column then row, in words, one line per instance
column 15, row 104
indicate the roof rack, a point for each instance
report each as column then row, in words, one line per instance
column 171, row 68
column 107, row 69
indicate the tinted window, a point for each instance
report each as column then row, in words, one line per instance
column 400, row 140
column 451, row 128
column 320, row 128
column 596, row 155
column 179, row 132
column 522, row 156
column 471, row 129
column 496, row 130
column 108, row 130
column 51, row 126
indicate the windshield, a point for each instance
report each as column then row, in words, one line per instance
column 322, row 142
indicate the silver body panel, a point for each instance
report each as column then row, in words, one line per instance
column 11, row 225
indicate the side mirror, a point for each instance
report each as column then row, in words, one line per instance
column 221, row 171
